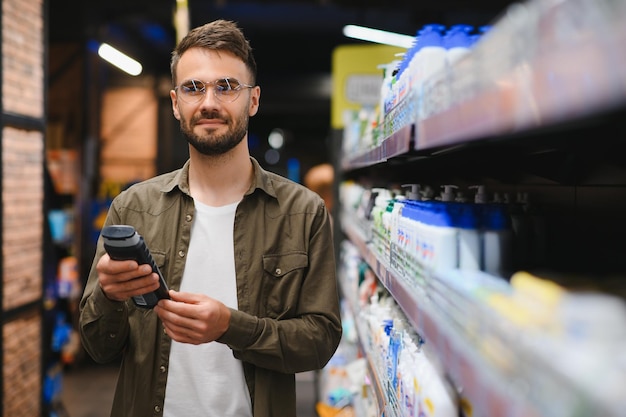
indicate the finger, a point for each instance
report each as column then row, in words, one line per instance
column 187, row 297
column 111, row 266
column 175, row 315
column 142, row 285
column 182, row 336
column 108, row 276
column 121, row 287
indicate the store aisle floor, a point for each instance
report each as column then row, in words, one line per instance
column 88, row 391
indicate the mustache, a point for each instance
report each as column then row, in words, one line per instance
column 209, row 115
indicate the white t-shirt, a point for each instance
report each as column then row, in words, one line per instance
column 206, row 380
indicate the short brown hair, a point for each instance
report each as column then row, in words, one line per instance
column 219, row 35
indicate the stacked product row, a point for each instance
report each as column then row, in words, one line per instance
column 513, row 343
column 435, row 49
column 525, row 329
column 407, row 375
column 413, row 230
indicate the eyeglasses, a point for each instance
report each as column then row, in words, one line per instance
column 225, row 90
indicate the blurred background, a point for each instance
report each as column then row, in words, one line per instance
column 117, row 129
column 293, row 43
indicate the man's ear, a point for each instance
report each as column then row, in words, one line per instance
column 255, row 100
column 174, row 98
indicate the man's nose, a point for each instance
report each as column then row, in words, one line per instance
column 209, row 99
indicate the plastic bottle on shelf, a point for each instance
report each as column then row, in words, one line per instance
column 439, row 237
column 396, row 232
column 407, row 236
column 386, row 228
column 429, row 59
column 407, row 389
column 386, row 90
column 438, row 397
column 402, row 76
column 457, row 42
column 465, row 221
column 383, row 197
column 469, row 238
column 402, row 228
column 522, row 229
column 496, row 234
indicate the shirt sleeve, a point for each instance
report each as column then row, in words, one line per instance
column 103, row 323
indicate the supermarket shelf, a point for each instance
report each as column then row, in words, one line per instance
column 397, row 144
column 543, row 64
column 416, row 311
column 377, row 382
column 545, row 67
column 509, row 382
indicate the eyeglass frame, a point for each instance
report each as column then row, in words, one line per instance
column 216, row 92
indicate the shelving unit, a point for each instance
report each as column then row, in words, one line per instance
column 537, row 105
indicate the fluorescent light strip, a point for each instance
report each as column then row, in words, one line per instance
column 119, row 59
column 378, row 36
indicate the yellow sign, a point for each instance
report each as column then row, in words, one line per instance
column 357, row 77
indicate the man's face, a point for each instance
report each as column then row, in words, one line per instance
column 214, row 100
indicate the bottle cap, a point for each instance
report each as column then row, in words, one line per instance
column 414, row 191
column 431, row 35
column 448, row 194
column 481, row 195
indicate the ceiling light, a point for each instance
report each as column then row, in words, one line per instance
column 119, row 59
column 378, row 36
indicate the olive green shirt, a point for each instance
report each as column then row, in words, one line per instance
column 288, row 317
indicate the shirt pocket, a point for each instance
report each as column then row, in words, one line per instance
column 283, row 276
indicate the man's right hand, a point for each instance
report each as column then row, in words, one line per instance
column 121, row 280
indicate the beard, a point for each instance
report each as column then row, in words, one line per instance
column 211, row 143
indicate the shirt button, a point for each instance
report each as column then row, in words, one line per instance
column 181, row 253
column 157, row 408
column 112, row 335
column 278, row 271
column 162, row 368
column 188, row 217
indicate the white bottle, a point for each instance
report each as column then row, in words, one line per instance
column 383, row 196
column 465, row 221
column 386, row 102
column 429, row 60
column 438, row 236
column 440, row 397
column 432, row 53
column 457, row 42
column 395, row 238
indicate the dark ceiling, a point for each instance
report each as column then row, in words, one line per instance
column 293, row 40
column 288, row 36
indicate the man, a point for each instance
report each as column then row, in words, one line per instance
column 247, row 254
column 320, row 178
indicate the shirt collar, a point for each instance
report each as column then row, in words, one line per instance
column 262, row 180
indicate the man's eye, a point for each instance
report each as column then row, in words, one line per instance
column 223, row 85
column 192, row 87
